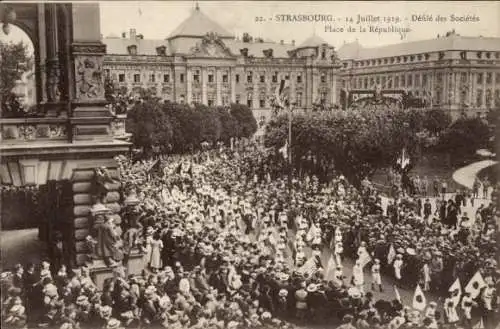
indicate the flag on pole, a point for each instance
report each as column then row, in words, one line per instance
column 403, row 161
column 365, row 258
column 330, row 266
column 456, row 292
column 475, row 285
column 282, row 92
column 310, row 267
column 284, row 150
column 391, row 255
column 396, row 292
column 419, row 301
column 312, row 233
column 479, row 325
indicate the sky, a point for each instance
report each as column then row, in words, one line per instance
column 157, row 19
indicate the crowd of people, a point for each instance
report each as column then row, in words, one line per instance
column 230, row 242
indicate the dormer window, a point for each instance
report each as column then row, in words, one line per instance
column 479, row 54
column 132, row 50
column 323, row 54
column 161, row 51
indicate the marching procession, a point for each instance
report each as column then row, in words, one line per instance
column 231, row 241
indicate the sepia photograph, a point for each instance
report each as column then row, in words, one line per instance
column 249, row 164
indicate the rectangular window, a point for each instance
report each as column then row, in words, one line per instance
column 365, row 83
column 210, row 102
column 323, row 78
column 417, row 80
column 249, row 100
column 166, row 78
column 181, row 78
column 323, row 96
column 210, row 78
column 262, row 78
column 225, row 100
column 275, row 77
column 479, row 98
column 479, row 78
column 152, row 78
column 403, row 80
column 262, row 103
column 238, row 98
column 489, row 78
column 438, row 97
column 410, row 80
column 424, row 80
column 196, row 77
column 225, row 78
column 389, row 83
column 137, row 78
column 249, row 78
column 384, row 80
column 299, row 99
column 396, row 82
column 299, row 78
column 121, row 77
column 377, row 80
column 498, row 78
column 463, row 77
column 237, row 78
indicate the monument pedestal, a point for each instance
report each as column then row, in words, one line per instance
column 99, row 271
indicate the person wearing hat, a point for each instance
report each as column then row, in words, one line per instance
column 301, row 301
column 358, row 277
column 376, row 278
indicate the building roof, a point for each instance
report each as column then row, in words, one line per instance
column 256, row 48
column 452, row 42
column 198, row 25
column 313, row 41
column 119, row 46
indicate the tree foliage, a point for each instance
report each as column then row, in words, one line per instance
column 357, row 143
column 181, row 128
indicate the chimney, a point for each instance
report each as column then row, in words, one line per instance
column 293, row 42
column 133, row 34
column 282, row 42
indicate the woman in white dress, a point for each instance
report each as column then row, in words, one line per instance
column 156, row 247
column 398, row 265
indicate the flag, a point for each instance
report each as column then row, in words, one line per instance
column 312, row 233
column 284, row 150
column 330, row 266
column 310, row 267
column 155, row 167
column 282, row 92
column 391, row 255
column 456, row 292
column 475, row 285
column 396, row 292
column 179, row 168
column 404, row 160
column 419, row 301
column 479, row 325
column 190, row 170
column 365, row 258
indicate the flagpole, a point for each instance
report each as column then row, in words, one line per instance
column 289, row 148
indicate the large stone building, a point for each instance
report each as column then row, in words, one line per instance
column 453, row 72
column 201, row 62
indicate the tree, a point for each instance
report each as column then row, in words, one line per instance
column 149, row 125
column 246, row 123
column 14, row 61
column 356, row 143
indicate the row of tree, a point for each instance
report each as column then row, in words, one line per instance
column 179, row 128
column 357, row 143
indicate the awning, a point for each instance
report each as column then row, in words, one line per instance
column 466, row 175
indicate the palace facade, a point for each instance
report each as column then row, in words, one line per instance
column 202, row 62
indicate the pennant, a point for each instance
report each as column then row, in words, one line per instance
column 391, row 255
column 396, row 292
column 419, row 301
column 365, row 258
column 456, row 292
column 312, row 233
column 310, row 267
column 475, row 285
column 479, row 325
column 330, row 266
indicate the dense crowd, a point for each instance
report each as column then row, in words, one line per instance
column 230, row 242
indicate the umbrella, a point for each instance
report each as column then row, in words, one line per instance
column 466, row 175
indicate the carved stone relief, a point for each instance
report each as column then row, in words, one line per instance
column 89, row 78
